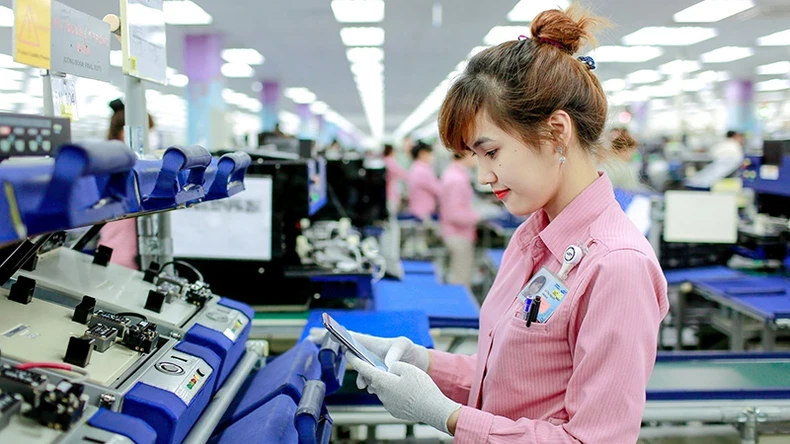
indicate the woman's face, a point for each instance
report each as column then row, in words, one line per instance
column 525, row 178
column 535, row 287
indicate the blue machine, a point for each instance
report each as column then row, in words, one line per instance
column 223, row 329
column 172, row 394
column 133, row 428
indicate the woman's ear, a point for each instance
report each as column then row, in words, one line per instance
column 561, row 126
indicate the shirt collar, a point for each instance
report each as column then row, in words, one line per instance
column 572, row 225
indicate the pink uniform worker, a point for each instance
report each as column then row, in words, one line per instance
column 533, row 114
column 396, row 175
column 424, row 186
column 458, row 219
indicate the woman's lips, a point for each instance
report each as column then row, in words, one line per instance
column 501, row 194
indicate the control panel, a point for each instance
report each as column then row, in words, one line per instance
column 27, row 135
column 178, row 373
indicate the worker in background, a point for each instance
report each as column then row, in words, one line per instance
column 729, row 148
column 458, row 218
column 424, row 186
column 396, row 175
column 621, row 168
column 121, row 235
column 533, row 115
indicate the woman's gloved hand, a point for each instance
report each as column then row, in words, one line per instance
column 389, row 350
column 407, row 392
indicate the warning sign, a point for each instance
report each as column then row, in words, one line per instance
column 32, row 25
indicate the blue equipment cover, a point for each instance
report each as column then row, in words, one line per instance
column 412, row 324
column 681, row 275
column 270, row 423
column 180, row 180
column 767, row 297
column 83, row 186
column 285, row 374
column 135, row 429
column 447, row 306
column 418, row 267
column 227, row 350
column 163, row 410
column 225, row 176
column 312, row 420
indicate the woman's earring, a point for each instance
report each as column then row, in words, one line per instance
column 562, row 155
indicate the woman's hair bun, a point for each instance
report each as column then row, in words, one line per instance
column 571, row 29
column 117, row 105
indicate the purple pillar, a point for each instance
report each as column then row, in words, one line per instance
column 270, row 98
column 203, row 65
column 305, row 121
column 741, row 113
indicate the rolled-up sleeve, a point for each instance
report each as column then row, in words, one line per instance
column 453, row 374
column 613, row 333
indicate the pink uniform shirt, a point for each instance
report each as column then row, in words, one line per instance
column 395, row 174
column 121, row 236
column 424, row 189
column 581, row 376
column 457, row 216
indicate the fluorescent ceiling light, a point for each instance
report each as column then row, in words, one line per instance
column 726, row 54
column 643, row 76
column 781, row 38
column 526, row 10
column 358, row 11
column 6, row 17
column 774, row 68
column 626, row 54
column 367, row 68
column 237, row 70
column 360, row 55
column 773, row 85
column 116, row 57
column 299, row 95
column 477, row 50
column 178, row 80
column 669, row 36
column 185, row 12
column 680, row 67
column 319, row 108
column 709, row 11
column 10, row 85
column 6, row 61
column 714, row 76
column 362, row 36
column 247, row 56
column 613, row 85
column 11, row 75
column 502, row 34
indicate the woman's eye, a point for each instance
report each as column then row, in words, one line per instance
column 491, row 154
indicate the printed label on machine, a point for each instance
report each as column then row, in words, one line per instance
column 226, row 320
column 178, row 373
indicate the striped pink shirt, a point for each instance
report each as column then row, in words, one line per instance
column 581, row 376
column 457, row 216
column 424, row 189
column 395, row 175
column 121, row 236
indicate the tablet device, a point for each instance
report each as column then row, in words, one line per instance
column 341, row 335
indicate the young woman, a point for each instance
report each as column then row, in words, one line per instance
column 423, row 184
column 533, row 115
column 121, row 235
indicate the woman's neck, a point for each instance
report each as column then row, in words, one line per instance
column 577, row 174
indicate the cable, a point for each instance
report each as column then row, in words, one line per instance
column 194, row 270
column 57, row 366
column 133, row 314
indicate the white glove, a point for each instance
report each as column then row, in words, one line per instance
column 407, row 392
column 389, row 350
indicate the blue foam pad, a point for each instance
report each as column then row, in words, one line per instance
column 272, row 422
column 766, row 296
column 681, row 275
column 285, row 374
column 228, row 177
column 412, row 324
column 418, row 267
column 135, row 429
column 447, row 306
column 228, row 351
column 164, row 411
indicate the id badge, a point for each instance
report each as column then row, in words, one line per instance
column 550, row 289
